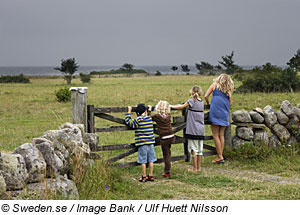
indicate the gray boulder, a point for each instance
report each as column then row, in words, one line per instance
column 274, row 142
column 244, row 133
column 281, row 132
column 92, row 140
column 293, row 125
column 292, row 141
column 14, row 171
column 260, row 137
column 287, row 108
column 297, row 112
column 61, row 186
column 241, row 116
column 237, row 142
column 259, row 110
column 282, row 118
column 270, row 116
column 2, row 184
column 70, row 125
column 298, row 105
column 256, row 117
column 54, row 164
column 35, row 163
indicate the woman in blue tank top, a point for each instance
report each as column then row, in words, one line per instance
column 221, row 102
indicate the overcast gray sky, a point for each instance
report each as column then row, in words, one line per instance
column 148, row 32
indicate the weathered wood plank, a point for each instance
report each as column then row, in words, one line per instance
column 91, row 119
column 113, row 128
column 79, row 106
column 94, row 156
column 110, row 118
column 123, row 155
column 125, row 109
column 209, row 147
column 249, row 124
column 160, row 160
column 179, row 128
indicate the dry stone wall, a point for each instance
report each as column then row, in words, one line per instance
column 255, row 125
column 46, row 163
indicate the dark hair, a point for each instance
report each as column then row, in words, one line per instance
column 140, row 109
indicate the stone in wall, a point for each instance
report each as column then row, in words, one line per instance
column 241, row 116
column 260, row 136
column 287, row 108
column 54, row 164
column 50, row 187
column 70, row 125
column 14, row 171
column 256, row 117
column 274, row 142
column 282, row 118
column 35, row 163
column 237, row 142
column 244, row 133
column 293, row 125
column 292, row 141
column 92, row 140
column 270, row 116
column 259, row 110
column 2, row 184
column 297, row 112
column 281, row 132
column 298, row 105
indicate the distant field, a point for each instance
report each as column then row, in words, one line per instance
column 28, row 110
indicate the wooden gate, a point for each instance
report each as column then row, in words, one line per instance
column 179, row 123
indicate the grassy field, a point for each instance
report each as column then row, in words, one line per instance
column 28, row 110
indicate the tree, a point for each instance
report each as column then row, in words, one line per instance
column 68, row 67
column 218, row 67
column 203, row 66
column 294, row 62
column 127, row 67
column 185, row 68
column 228, row 63
column 174, row 68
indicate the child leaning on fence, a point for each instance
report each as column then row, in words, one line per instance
column 144, row 139
column 194, row 126
column 165, row 131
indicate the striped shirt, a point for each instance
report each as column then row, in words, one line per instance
column 143, row 129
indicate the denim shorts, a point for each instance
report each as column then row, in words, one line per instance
column 146, row 154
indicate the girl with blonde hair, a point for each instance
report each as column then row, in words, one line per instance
column 195, row 128
column 165, row 132
column 222, row 89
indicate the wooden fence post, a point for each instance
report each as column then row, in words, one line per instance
column 186, row 151
column 79, row 106
column 227, row 133
column 91, row 118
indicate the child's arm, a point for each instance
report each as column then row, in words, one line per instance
column 230, row 101
column 208, row 92
column 132, row 123
column 179, row 106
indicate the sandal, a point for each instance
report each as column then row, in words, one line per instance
column 218, row 161
column 143, row 179
column 150, row 178
column 166, row 175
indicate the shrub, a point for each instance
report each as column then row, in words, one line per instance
column 85, row 78
column 14, row 79
column 63, row 95
column 158, row 73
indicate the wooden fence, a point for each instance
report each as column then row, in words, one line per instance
column 179, row 124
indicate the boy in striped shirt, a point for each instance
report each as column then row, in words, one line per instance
column 144, row 139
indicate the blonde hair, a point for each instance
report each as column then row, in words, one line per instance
column 163, row 107
column 196, row 92
column 225, row 84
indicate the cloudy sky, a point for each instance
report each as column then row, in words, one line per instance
column 148, row 32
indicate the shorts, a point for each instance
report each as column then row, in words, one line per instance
column 146, row 154
column 196, row 146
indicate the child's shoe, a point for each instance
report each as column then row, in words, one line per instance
column 166, row 175
column 150, row 178
column 143, row 179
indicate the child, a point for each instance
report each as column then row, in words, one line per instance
column 166, row 134
column 194, row 126
column 221, row 102
column 144, row 139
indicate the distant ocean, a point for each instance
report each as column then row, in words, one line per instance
column 48, row 70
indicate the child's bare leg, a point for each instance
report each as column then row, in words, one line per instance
column 199, row 160
column 215, row 132
column 151, row 167
column 222, row 138
column 194, row 162
column 143, row 165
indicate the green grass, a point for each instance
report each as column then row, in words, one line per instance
column 28, row 110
